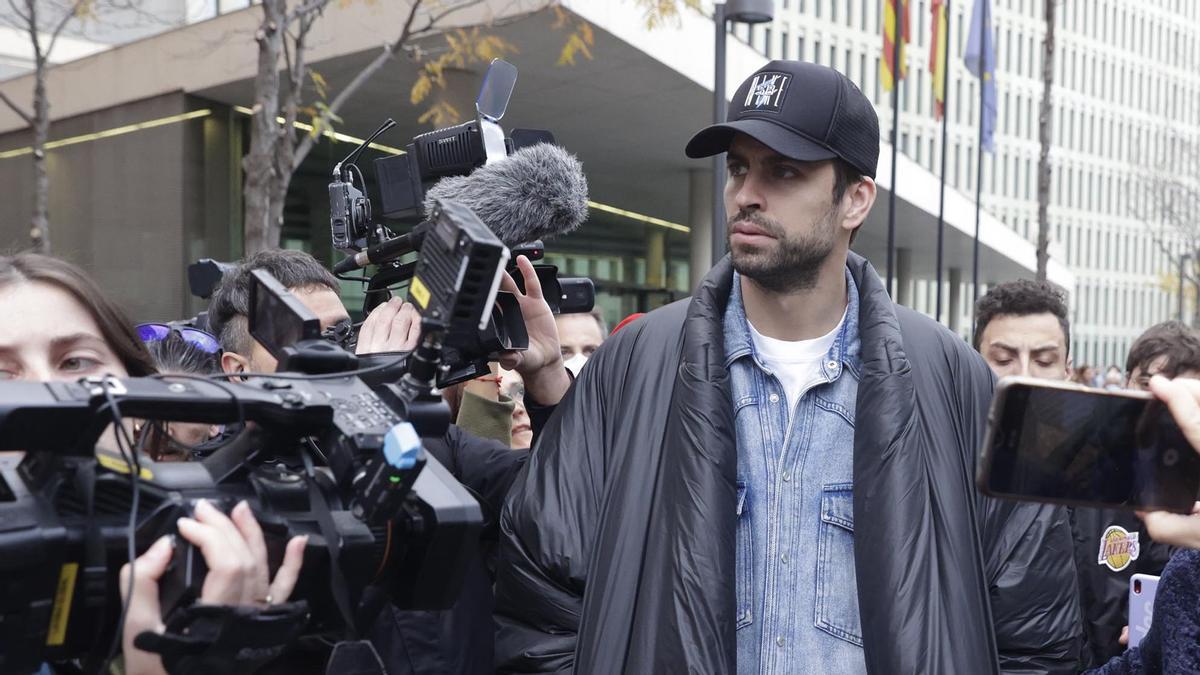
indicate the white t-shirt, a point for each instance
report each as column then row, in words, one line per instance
column 797, row 364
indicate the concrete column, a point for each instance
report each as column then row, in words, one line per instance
column 656, row 257
column 904, row 281
column 954, row 305
column 700, row 220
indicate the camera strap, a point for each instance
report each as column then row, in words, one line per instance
column 94, row 580
column 201, row 639
column 333, row 543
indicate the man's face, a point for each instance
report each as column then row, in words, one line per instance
column 782, row 222
column 323, row 302
column 1139, row 378
column 1033, row 345
column 579, row 336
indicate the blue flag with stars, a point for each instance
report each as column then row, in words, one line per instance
column 980, row 59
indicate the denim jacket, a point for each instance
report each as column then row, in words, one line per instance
column 797, row 597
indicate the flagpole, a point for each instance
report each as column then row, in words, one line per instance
column 897, row 35
column 984, row 40
column 941, row 226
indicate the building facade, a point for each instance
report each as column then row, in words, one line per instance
column 1126, row 109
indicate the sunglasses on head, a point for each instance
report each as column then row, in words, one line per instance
column 157, row 332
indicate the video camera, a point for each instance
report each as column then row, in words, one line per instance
column 404, row 181
column 327, row 450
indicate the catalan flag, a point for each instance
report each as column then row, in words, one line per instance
column 937, row 57
column 891, row 10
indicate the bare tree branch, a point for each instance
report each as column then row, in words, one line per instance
column 385, row 55
column 307, row 9
column 16, row 109
column 58, row 29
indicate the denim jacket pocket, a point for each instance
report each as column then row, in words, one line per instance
column 745, row 560
column 836, row 610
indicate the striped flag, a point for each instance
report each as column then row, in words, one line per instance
column 937, row 57
column 892, row 9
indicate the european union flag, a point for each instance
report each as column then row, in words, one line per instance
column 980, row 59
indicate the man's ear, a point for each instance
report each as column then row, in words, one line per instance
column 857, row 203
column 234, row 363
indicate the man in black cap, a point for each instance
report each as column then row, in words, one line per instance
column 775, row 476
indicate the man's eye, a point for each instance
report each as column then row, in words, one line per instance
column 736, row 170
column 588, row 351
column 566, row 353
column 784, row 171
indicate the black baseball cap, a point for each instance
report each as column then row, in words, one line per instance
column 800, row 110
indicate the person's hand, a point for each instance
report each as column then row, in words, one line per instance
column 1182, row 397
column 1174, row 528
column 541, row 365
column 144, row 613
column 236, row 555
column 394, row 326
column 1124, row 639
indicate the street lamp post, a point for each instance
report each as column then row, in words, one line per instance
column 1182, row 262
column 736, row 11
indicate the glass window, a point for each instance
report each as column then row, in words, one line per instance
column 784, row 44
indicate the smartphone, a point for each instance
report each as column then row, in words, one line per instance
column 1141, row 606
column 1063, row 443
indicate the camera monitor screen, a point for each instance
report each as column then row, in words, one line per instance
column 277, row 318
column 1087, row 447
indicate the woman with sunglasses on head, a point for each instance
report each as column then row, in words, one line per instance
column 57, row 325
column 181, row 351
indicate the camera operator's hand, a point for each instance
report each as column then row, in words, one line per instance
column 1182, row 397
column 236, row 555
column 541, row 365
column 394, row 326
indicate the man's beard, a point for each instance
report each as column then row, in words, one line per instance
column 794, row 263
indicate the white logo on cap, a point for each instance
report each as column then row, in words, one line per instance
column 767, row 91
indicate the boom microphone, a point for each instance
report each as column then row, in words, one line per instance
column 536, row 193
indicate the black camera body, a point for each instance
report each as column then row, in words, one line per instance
column 403, row 181
column 324, row 454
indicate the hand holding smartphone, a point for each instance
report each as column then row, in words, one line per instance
column 1063, row 443
column 1142, row 588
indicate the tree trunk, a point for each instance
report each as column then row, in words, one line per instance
column 261, row 223
column 39, row 231
column 1044, row 129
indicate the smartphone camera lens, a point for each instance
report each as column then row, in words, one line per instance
column 1170, row 457
column 1137, row 586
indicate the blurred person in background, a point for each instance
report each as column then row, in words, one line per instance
column 580, row 336
column 512, row 387
column 1114, row 379
column 1021, row 328
column 1083, row 375
column 180, row 351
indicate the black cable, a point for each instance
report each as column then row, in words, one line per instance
column 128, row 451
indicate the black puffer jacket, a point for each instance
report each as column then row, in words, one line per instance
column 617, row 542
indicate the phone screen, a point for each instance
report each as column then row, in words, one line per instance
column 1092, row 448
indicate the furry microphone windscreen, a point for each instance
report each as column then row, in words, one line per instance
column 535, row 193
